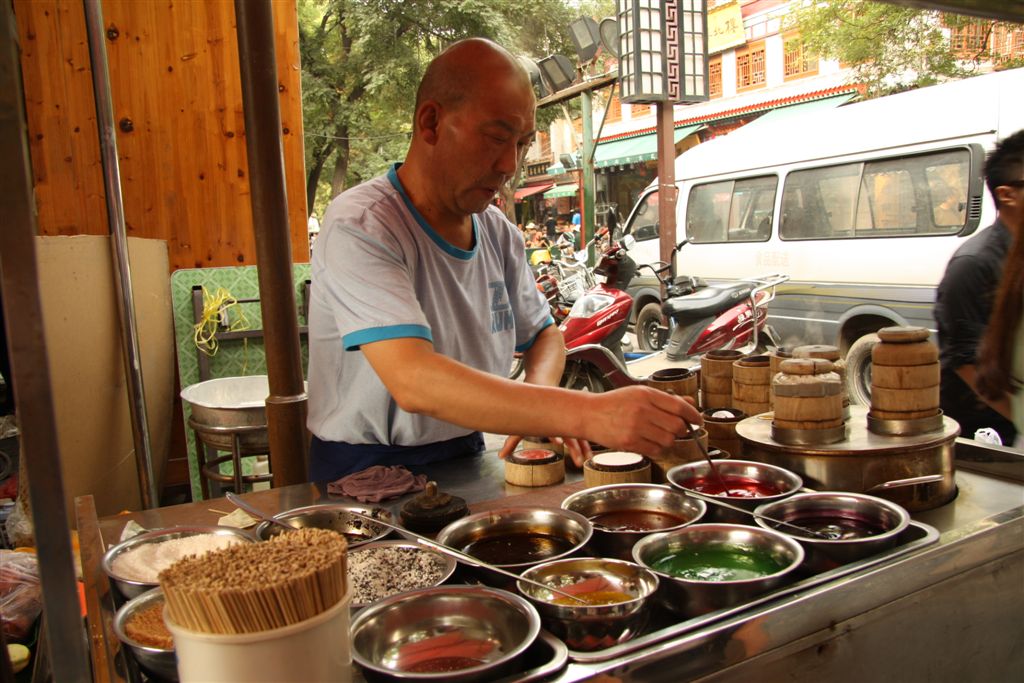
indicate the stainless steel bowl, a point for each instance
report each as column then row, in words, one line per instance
column 156, row 660
column 231, row 402
column 693, row 597
column 334, row 517
column 130, row 588
column 446, row 565
column 592, row 627
column 887, row 519
column 499, row 626
column 618, row 542
column 541, row 534
column 692, row 474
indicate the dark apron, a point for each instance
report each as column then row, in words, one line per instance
column 330, row 460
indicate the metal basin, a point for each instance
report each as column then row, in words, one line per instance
column 693, row 474
column 227, row 406
column 334, row 517
column 156, row 660
column 671, row 510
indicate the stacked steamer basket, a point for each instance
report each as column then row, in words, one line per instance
column 901, row 450
column 716, row 377
column 808, row 403
column 678, row 381
column 721, row 424
column 829, row 353
column 904, row 383
column 775, row 358
column 751, row 384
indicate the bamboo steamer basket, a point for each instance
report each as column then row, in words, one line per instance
column 751, row 384
column 904, row 346
column 535, row 467
column 829, row 353
column 678, row 381
column 808, row 402
column 905, row 377
column 775, row 358
column 616, row 467
column 717, row 385
column 722, row 431
column 684, row 450
column 866, row 462
column 717, row 400
column 905, row 400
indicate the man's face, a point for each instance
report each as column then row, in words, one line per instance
column 481, row 142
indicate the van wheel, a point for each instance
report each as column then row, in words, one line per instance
column 648, row 324
column 858, row 370
column 517, row 367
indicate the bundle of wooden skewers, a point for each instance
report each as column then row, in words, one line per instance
column 248, row 588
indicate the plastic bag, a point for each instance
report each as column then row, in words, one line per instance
column 21, row 595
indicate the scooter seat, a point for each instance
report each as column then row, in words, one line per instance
column 705, row 302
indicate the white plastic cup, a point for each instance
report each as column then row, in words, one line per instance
column 317, row 649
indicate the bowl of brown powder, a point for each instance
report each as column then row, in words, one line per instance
column 139, row 625
column 134, row 565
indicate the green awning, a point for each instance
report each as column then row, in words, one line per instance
column 562, row 191
column 632, row 150
column 801, row 109
column 557, row 169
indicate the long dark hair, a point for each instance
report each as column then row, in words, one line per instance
column 995, row 356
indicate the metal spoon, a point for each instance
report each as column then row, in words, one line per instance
column 772, row 520
column 255, row 512
column 463, row 557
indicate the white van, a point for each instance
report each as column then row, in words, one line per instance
column 862, row 206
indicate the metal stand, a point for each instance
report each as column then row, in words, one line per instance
column 246, row 441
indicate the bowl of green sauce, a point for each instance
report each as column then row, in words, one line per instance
column 612, row 605
column 707, row 567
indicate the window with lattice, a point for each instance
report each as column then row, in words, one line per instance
column 750, row 71
column 970, row 39
column 715, row 77
column 797, row 59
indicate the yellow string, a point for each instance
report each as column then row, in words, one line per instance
column 217, row 307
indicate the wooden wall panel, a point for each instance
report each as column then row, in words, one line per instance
column 175, row 77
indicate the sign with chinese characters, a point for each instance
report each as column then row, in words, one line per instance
column 725, row 27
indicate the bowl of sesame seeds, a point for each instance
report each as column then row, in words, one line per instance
column 381, row 569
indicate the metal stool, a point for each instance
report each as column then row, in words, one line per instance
column 240, row 441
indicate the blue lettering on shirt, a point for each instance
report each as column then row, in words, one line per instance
column 501, row 311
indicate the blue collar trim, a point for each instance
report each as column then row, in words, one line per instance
column 431, row 233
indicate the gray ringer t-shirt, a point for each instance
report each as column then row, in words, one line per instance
column 379, row 271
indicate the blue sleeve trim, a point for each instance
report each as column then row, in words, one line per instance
column 522, row 348
column 354, row 340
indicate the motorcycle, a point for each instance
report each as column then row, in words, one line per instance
column 701, row 317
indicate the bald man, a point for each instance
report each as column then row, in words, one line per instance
column 421, row 293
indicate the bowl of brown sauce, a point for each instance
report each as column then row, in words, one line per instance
column 611, row 605
column 622, row 514
column 517, row 538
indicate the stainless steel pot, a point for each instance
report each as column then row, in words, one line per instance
column 913, row 471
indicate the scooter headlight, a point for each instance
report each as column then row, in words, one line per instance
column 589, row 305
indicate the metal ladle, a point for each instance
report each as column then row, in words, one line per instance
column 463, row 557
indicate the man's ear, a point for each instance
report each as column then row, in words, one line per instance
column 428, row 118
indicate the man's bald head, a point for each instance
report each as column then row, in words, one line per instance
column 464, row 68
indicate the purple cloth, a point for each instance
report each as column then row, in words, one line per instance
column 377, row 483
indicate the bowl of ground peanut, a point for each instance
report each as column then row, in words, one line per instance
column 139, row 624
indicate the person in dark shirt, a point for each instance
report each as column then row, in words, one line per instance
column 964, row 298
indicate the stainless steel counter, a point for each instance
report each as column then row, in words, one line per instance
column 953, row 610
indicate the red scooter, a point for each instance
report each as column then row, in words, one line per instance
column 701, row 317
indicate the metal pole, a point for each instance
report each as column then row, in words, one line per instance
column 587, row 189
column 667, row 190
column 119, row 250
column 40, row 451
column 286, row 405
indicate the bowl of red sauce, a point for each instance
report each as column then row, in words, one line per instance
column 707, row 567
column 612, row 605
column 856, row 525
column 622, row 514
column 450, row 633
column 740, row 483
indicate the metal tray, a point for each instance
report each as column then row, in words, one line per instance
column 546, row 657
column 913, row 538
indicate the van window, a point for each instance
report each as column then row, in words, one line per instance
column 924, row 194
column 731, row 210
column 645, row 218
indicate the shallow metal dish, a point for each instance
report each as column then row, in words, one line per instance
column 618, row 543
column 507, row 622
column 333, row 517
column 691, row 597
column 446, row 562
column 592, row 627
column 686, row 476
column 569, row 526
column 158, row 661
column 131, row 588
column 823, row 554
